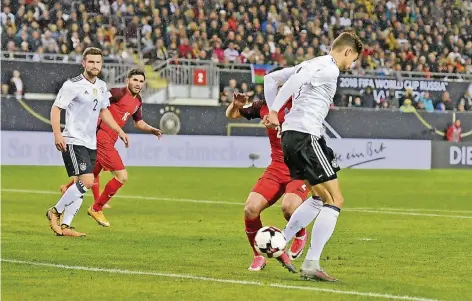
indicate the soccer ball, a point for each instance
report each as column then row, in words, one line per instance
column 269, row 241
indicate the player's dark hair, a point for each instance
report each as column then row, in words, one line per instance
column 348, row 39
column 92, row 51
column 136, row 71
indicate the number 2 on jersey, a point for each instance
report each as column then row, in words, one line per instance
column 96, row 103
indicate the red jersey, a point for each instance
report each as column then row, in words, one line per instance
column 122, row 106
column 259, row 109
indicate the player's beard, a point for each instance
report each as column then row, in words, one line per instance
column 92, row 72
column 134, row 91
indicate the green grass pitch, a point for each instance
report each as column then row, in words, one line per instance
column 178, row 234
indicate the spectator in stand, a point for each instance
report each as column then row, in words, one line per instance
column 258, row 93
column 357, row 103
column 16, row 85
column 218, row 52
column 368, row 100
column 385, row 105
column 454, row 132
column 427, row 102
column 425, row 36
column 447, row 101
column 245, row 90
column 231, row 89
column 407, row 106
column 231, row 53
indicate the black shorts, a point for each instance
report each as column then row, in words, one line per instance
column 309, row 158
column 79, row 160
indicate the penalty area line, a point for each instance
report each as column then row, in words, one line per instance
column 217, row 280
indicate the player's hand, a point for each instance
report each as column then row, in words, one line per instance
column 240, row 99
column 124, row 138
column 271, row 120
column 157, row 132
column 60, row 143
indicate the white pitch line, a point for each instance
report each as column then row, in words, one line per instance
column 409, row 213
column 209, row 279
column 361, row 210
column 417, row 209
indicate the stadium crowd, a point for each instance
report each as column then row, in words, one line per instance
column 420, row 35
column 411, row 35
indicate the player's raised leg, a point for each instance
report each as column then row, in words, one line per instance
column 296, row 192
column 96, row 210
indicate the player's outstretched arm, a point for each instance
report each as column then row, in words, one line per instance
column 145, row 127
column 106, row 117
column 233, row 110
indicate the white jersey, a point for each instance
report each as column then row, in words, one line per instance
column 82, row 101
column 312, row 86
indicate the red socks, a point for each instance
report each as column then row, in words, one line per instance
column 110, row 189
column 251, row 230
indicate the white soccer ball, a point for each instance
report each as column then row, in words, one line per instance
column 269, row 241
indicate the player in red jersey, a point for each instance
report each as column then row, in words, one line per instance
column 274, row 183
column 124, row 103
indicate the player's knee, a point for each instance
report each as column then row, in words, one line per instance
column 122, row 178
column 288, row 208
column 287, row 211
column 251, row 210
column 338, row 200
column 88, row 182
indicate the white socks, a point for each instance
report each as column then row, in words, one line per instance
column 302, row 217
column 72, row 194
column 323, row 228
column 71, row 210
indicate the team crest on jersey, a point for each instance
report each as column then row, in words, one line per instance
column 334, row 163
column 102, row 90
column 94, row 91
column 83, row 166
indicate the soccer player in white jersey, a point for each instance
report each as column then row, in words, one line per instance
column 85, row 98
column 312, row 85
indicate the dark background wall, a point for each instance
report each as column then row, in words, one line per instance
column 40, row 77
column 203, row 120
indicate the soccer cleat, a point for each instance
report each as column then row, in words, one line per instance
column 69, row 231
column 286, row 263
column 53, row 216
column 63, row 189
column 298, row 244
column 98, row 216
column 311, row 271
column 258, row 263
